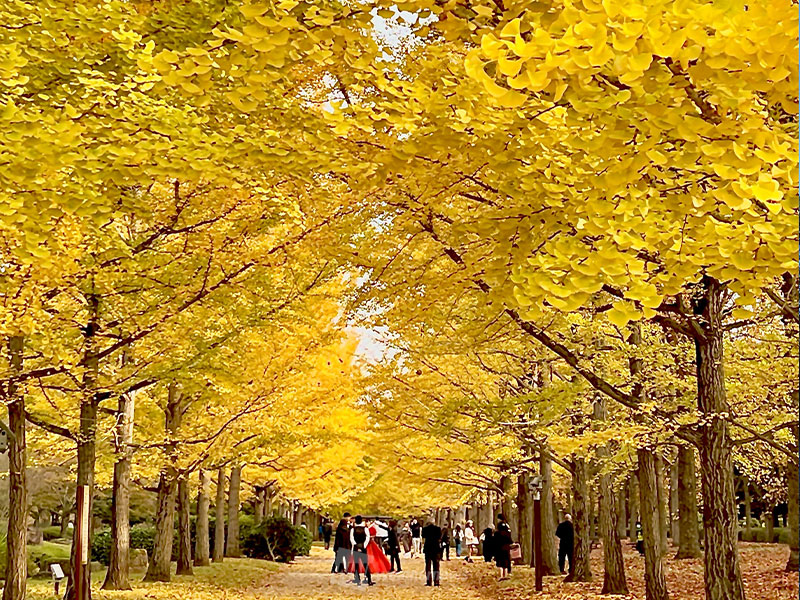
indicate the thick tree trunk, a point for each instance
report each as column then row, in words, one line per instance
column 525, row 517
column 582, row 570
column 769, row 518
column 654, row 579
column 614, row 581
column 184, row 530
column 689, row 536
column 549, row 517
column 159, row 567
column 793, row 500
column 220, row 508
column 506, row 502
column 622, row 513
column 117, row 573
column 592, row 512
column 202, row 551
column 17, row 551
column 232, row 541
column 723, row 577
column 661, row 489
column 633, row 507
column 674, row 521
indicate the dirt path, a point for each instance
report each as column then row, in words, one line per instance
column 310, row 578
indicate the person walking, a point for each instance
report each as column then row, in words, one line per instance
column 393, row 544
column 416, row 540
column 502, row 541
column 432, row 547
column 341, row 545
column 359, row 540
column 565, row 533
column 445, row 543
column 327, row 530
column 458, row 535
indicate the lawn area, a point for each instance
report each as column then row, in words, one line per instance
column 233, row 579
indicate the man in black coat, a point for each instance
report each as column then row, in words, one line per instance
column 341, row 545
column 565, row 533
column 432, row 548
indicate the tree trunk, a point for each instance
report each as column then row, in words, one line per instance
column 117, row 573
column 525, row 517
column 232, row 541
column 723, row 577
column 159, row 567
column 259, row 506
column 17, row 551
column 661, row 489
column 202, row 550
column 549, row 517
column 614, row 581
column 87, row 456
column 769, row 521
column 748, row 513
column 184, row 530
column 506, row 500
column 674, row 524
column 654, row 579
column 622, row 514
column 689, row 536
column 633, row 507
column 592, row 512
column 582, row 570
column 220, row 508
column 793, row 499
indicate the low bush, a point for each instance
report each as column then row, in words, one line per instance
column 277, row 539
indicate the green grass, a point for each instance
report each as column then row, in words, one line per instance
column 234, row 579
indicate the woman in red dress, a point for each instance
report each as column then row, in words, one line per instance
column 378, row 563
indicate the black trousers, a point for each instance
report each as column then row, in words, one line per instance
column 340, row 562
column 446, row 550
column 432, row 568
column 360, row 560
column 564, row 552
column 394, row 560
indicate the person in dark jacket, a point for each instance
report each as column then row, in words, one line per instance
column 393, row 546
column 327, row 530
column 445, row 543
column 502, row 541
column 487, row 539
column 341, row 545
column 432, row 548
column 565, row 533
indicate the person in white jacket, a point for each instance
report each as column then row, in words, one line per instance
column 471, row 540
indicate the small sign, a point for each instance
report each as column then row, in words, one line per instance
column 3, row 441
column 58, row 572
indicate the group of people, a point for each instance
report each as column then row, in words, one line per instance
column 361, row 546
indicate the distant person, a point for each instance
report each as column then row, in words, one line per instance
column 471, row 540
column 445, row 543
column 458, row 536
column 341, row 545
column 501, row 542
column 565, row 532
column 432, row 548
column 393, row 545
column 487, row 539
column 381, row 531
column 405, row 538
column 359, row 540
column 416, row 540
column 327, row 530
column 639, row 539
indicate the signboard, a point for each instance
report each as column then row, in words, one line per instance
column 83, row 524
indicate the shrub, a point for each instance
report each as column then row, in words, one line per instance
column 101, row 547
column 53, row 532
column 277, row 539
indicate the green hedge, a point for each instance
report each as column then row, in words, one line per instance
column 277, row 539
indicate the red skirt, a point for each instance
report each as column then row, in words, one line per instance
column 378, row 563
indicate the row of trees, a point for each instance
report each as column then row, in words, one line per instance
column 574, row 222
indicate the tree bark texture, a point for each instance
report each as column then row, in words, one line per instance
column 549, row 517
column 184, row 566
column 220, row 508
column 202, row 550
column 654, row 578
column 689, row 536
column 232, row 540
column 582, row 570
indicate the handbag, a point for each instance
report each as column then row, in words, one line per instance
column 515, row 552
